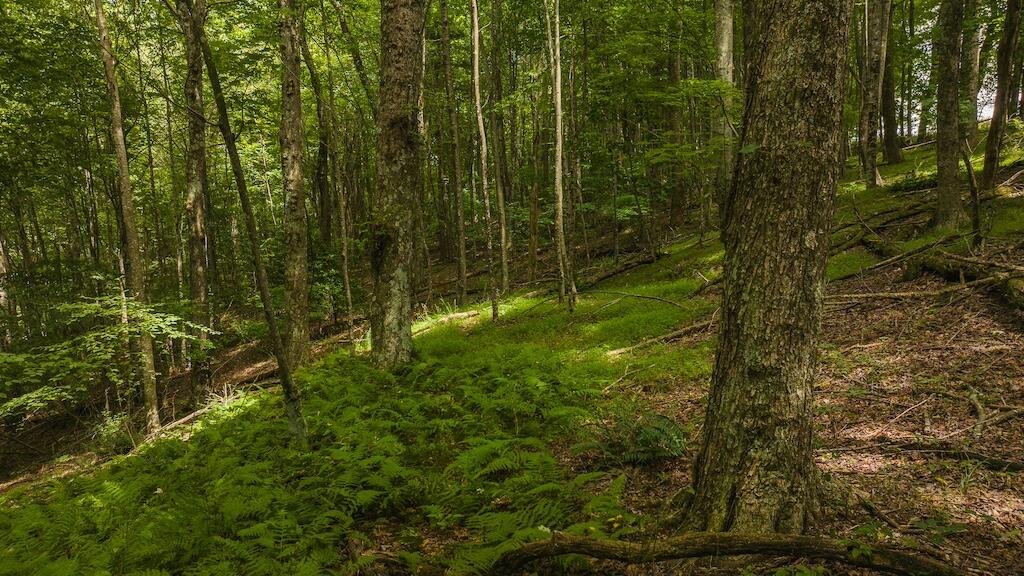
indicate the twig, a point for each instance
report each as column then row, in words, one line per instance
column 901, row 415
column 627, row 374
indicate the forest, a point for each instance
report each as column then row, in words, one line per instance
column 503, row 287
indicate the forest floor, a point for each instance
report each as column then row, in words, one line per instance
column 586, row 423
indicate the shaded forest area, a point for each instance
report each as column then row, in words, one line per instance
column 506, row 287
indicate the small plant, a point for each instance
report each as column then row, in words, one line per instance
column 630, row 439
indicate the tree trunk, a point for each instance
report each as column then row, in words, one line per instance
column 1004, row 65
column 554, row 30
column 970, row 63
column 891, row 150
column 292, row 401
column 876, row 29
column 755, row 471
column 323, row 197
column 456, row 143
column 136, row 271
column 724, row 71
column 6, row 317
column 482, row 140
column 195, row 181
column 296, row 273
column 398, row 179
column 357, row 58
column 502, row 182
column 949, row 206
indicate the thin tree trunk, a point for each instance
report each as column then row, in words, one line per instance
column 554, row 31
column 191, row 17
column 292, row 400
column 949, row 207
column 398, row 178
column 133, row 252
column 357, row 58
column 482, row 137
column 296, row 273
column 877, row 30
column 755, row 471
column 456, row 164
column 724, row 71
column 970, row 62
column 892, row 152
column 323, row 197
column 1004, row 70
column 535, row 190
column 502, row 183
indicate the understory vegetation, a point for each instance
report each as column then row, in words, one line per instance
column 496, row 434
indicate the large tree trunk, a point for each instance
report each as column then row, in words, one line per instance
column 877, row 32
column 554, row 31
column 136, row 270
column 292, row 402
column 456, row 143
column 502, row 182
column 398, row 179
column 296, row 272
column 755, row 471
column 482, row 136
column 1004, row 65
column 949, row 206
column 195, row 179
column 891, row 150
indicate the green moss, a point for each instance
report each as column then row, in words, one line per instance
column 850, row 262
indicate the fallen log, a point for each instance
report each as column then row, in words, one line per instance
column 707, row 544
column 1011, row 286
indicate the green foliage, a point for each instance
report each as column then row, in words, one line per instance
column 631, row 438
column 437, row 445
column 61, row 376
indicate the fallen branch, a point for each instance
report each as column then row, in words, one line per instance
column 705, row 544
column 664, row 337
column 640, row 296
column 1011, row 285
column 994, row 279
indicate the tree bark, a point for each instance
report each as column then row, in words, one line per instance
column 876, row 29
column 482, row 136
column 755, row 471
column 1004, row 70
column 456, row 144
column 135, row 268
column 399, row 168
column 296, row 267
column 949, row 206
column 292, row 399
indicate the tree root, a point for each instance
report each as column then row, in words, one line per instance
column 705, row 544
